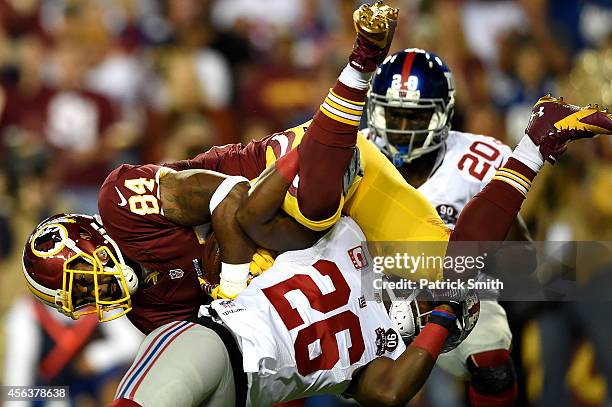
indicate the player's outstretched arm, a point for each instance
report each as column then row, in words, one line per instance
column 195, row 197
column 388, row 382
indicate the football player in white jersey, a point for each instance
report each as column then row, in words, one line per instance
column 410, row 106
column 302, row 328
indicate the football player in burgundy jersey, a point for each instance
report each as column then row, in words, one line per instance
column 149, row 211
column 147, row 251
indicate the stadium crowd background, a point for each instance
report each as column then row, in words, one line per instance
column 86, row 85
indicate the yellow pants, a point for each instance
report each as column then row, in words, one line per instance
column 384, row 205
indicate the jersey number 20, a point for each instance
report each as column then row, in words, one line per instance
column 324, row 330
column 480, row 150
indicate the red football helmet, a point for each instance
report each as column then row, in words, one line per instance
column 70, row 263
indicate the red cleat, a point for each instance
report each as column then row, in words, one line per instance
column 375, row 26
column 554, row 123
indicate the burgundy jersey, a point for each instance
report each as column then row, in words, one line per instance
column 230, row 159
column 133, row 216
column 237, row 159
column 170, row 254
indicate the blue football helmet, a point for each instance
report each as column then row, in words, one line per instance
column 410, row 105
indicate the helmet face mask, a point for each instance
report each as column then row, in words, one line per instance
column 409, row 110
column 410, row 314
column 400, row 122
column 92, row 283
column 70, row 263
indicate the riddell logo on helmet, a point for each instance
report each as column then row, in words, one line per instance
column 358, row 257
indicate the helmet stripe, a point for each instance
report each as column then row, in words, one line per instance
column 47, row 299
column 45, row 294
column 407, row 67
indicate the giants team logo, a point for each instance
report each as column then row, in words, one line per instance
column 358, row 257
column 386, row 341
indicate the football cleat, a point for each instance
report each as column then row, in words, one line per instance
column 375, row 26
column 554, row 123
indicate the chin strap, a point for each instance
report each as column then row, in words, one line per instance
column 131, row 279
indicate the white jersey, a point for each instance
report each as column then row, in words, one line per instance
column 469, row 163
column 304, row 326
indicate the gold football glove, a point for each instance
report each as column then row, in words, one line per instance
column 262, row 260
column 217, row 294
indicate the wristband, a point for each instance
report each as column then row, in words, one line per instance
column 223, row 190
column 529, row 154
column 234, row 278
column 442, row 318
column 433, row 336
column 431, row 339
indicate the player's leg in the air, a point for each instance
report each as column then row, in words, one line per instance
column 379, row 200
column 328, row 145
column 317, row 167
column 489, row 215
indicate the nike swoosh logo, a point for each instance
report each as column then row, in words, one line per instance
column 123, row 200
column 283, row 142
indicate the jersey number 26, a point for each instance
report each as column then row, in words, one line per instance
column 324, row 330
